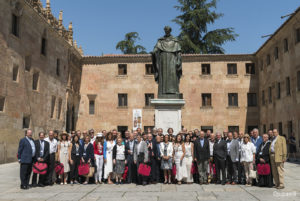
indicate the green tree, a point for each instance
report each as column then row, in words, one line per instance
column 194, row 19
column 128, row 46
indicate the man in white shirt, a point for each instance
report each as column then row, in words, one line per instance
column 52, row 150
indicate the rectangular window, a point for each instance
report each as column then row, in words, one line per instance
column 290, row 128
column 15, row 73
column 251, row 128
column 58, row 67
column 252, row 102
column 271, row 126
column 15, row 25
column 147, row 127
column 205, row 68
column 206, row 128
column 149, row 69
column 288, row 86
column 26, row 121
column 52, row 106
column 35, row 81
column 233, row 99
column 268, row 60
column 270, row 94
column 2, row 103
column 278, row 90
column 148, row 98
column 27, row 63
column 276, row 52
column 231, row 69
column 298, row 35
column 280, row 127
column 122, row 100
column 92, row 107
column 250, row 68
column 206, row 100
column 122, row 69
column 265, row 128
column 44, row 46
column 59, row 108
column 233, row 129
column 286, row 45
column 298, row 80
column 263, row 102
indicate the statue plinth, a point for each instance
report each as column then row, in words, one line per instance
column 168, row 113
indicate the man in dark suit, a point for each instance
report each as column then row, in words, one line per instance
column 201, row 155
column 129, row 146
column 220, row 153
column 153, row 155
column 41, row 156
column 26, row 153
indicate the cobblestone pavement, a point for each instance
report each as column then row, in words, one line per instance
column 9, row 190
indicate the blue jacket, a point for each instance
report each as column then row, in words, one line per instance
column 25, row 151
column 257, row 143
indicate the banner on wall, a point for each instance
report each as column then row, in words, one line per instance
column 137, row 119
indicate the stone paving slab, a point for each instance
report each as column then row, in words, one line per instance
column 9, row 190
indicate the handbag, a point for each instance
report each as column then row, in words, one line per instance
column 59, row 168
column 83, row 169
column 263, row 169
column 174, row 170
column 144, row 170
column 252, row 174
column 194, row 168
column 40, row 168
column 91, row 172
column 125, row 173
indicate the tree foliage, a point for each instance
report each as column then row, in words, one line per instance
column 128, row 46
column 195, row 37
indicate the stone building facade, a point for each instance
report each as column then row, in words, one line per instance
column 279, row 79
column 216, row 89
column 46, row 82
column 40, row 73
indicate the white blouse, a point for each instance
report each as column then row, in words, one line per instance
column 169, row 149
column 247, row 151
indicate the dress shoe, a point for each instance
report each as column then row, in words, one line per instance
column 23, row 187
column 34, row 185
column 41, row 185
column 280, row 187
column 223, row 183
column 218, row 182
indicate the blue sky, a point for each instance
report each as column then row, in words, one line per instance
column 99, row 24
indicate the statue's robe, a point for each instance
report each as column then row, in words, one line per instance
column 167, row 65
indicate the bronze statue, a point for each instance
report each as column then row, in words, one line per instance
column 167, row 65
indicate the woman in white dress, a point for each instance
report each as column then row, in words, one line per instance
column 178, row 153
column 108, row 157
column 188, row 158
column 64, row 156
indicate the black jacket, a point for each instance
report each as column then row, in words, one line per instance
column 37, row 150
column 220, row 149
column 265, row 153
column 127, row 147
column 201, row 153
column 115, row 152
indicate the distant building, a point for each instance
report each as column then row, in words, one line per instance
column 46, row 82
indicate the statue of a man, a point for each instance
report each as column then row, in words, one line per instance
column 167, row 65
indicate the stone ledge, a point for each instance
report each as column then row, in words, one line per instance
column 167, row 101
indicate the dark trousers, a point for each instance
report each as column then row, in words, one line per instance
column 154, row 174
column 51, row 166
column 131, row 175
column 232, row 168
column 241, row 173
column 74, row 168
column 140, row 178
column 220, row 167
column 25, row 172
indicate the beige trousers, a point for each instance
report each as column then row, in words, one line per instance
column 247, row 167
column 277, row 171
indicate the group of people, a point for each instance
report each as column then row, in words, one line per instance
column 187, row 157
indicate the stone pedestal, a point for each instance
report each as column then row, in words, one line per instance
column 168, row 114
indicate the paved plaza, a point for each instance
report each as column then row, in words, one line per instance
column 9, row 190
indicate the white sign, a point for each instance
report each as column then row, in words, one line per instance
column 137, row 119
